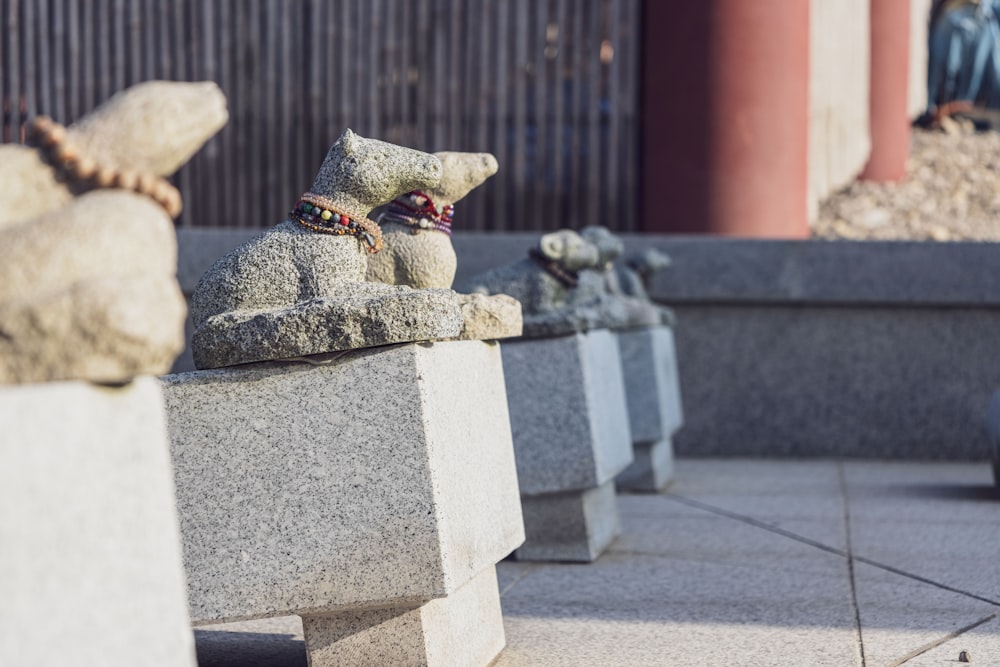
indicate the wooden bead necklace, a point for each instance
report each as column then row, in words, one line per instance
column 51, row 139
column 321, row 214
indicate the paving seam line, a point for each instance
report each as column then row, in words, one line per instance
column 858, row 635
column 934, row 644
column 823, row 547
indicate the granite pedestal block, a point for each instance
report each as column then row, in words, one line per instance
column 350, row 490
column 90, row 552
column 571, row 436
column 649, row 364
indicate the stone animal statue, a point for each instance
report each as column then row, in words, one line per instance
column 299, row 288
column 416, row 228
column 635, row 275
column 544, row 283
column 88, row 254
column 599, row 285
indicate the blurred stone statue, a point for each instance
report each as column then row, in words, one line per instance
column 88, row 254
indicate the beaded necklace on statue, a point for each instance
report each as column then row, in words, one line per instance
column 321, row 214
column 568, row 278
column 417, row 211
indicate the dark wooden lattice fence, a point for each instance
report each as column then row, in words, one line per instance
column 549, row 86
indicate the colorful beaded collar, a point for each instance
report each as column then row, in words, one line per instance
column 418, row 212
column 51, row 139
column 320, row 214
column 568, row 278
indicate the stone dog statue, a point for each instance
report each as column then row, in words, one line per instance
column 635, row 275
column 299, row 288
column 418, row 251
column 544, row 283
column 599, row 286
column 88, row 254
column 417, row 227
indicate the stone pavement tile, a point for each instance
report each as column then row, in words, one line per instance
column 899, row 615
column 633, row 609
column 939, row 521
column 802, row 478
column 982, row 644
column 722, row 539
column 267, row 642
column 592, row 642
column 763, row 489
column 936, row 491
column 787, row 495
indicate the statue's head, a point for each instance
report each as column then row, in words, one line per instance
column 461, row 173
column 373, row 172
column 609, row 247
column 569, row 250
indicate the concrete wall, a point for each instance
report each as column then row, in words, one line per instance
column 801, row 348
column 838, row 95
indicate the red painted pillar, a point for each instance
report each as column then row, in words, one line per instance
column 890, row 72
column 725, row 117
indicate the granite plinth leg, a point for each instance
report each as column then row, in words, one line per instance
column 463, row 629
column 652, row 470
column 575, row 526
column 571, row 433
column 652, row 389
column 90, row 552
column 380, row 479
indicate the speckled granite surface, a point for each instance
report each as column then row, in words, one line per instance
column 378, row 478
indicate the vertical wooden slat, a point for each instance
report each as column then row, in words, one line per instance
column 630, row 125
column 119, row 59
column 60, row 93
column 539, row 117
column 46, row 42
column 609, row 158
column 422, row 80
column 13, row 109
column 520, row 111
column 591, row 99
column 499, row 208
column 558, row 194
column 320, row 58
column 484, row 110
column 29, row 81
column 242, row 128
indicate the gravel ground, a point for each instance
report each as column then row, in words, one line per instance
column 951, row 193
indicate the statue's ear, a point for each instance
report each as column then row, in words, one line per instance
column 552, row 246
column 348, row 141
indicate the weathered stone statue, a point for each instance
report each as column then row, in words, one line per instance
column 635, row 275
column 600, row 286
column 545, row 283
column 88, row 255
column 299, row 288
column 418, row 252
column 416, row 228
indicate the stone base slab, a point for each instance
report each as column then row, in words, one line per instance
column 575, row 526
column 652, row 470
column 567, row 409
column 462, row 629
column 380, row 478
column 90, row 553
